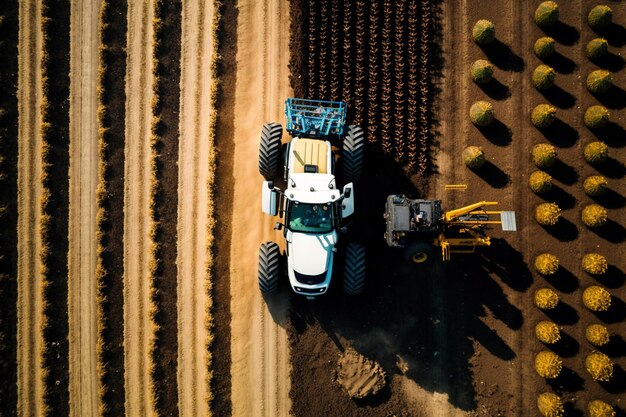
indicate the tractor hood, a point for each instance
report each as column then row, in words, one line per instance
column 310, row 255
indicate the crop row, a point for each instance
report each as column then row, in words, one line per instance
column 383, row 48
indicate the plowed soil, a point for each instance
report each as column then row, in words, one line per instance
column 139, row 325
column 83, row 336
column 30, row 303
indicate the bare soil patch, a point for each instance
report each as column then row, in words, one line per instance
column 359, row 376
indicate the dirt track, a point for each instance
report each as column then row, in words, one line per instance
column 30, row 305
column 139, row 325
column 259, row 350
column 196, row 161
column 82, row 285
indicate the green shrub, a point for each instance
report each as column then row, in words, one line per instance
column 546, row 264
column 595, row 185
column 484, row 32
column 596, row 152
column 594, row 264
column 482, row 71
column 544, row 47
column 543, row 115
column 546, row 299
column 548, row 364
column 599, row 408
column 543, row 77
column 597, row 334
column 547, row 332
column 599, row 366
column 597, row 117
column 597, row 48
column 594, row 215
column 544, row 155
column 547, row 214
column 596, row 298
column 547, row 14
column 481, row 113
column 600, row 17
column 550, row 405
column 540, row 182
column 599, row 81
column 473, row 157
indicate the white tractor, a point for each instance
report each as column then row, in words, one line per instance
column 312, row 207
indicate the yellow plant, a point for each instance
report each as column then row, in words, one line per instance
column 544, row 47
column 540, row 182
column 547, row 332
column 473, row 157
column 597, row 334
column 546, row 264
column 599, row 366
column 543, row 115
column 597, row 48
column 594, row 215
column 594, row 263
column 595, row 185
column 598, row 408
column 481, row 113
column 550, row 405
column 543, row 77
column 547, row 214
column 546, row 299
column 597, row 117
column 544, row 155
column 548, row 364
column 596, row 298
column 596, row 152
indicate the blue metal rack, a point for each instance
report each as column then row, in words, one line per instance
column 315, row 118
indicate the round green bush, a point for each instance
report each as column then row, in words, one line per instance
column 594, row 264
column 597, row 48
column 594, row 215
column 597, row 117
column 595, row 185
column 600, row 17
column 481, row 113
column 473, row 157
column 596, row 152
column 599, row 81
column 543, row 77
column 599, row 408
column 540, row 182
column 482, row 71
column 484, row 32
column 546, row 264
column 544, row 155
column 547, row 14
column 544, row 47
column 547, row 214
column 550, row 405
column 543, row 116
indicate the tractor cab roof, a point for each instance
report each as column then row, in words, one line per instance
column 312, row 188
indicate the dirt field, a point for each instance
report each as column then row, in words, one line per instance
column 82, row 258
column 139, row 327
column 30, row 304
column 195, row 208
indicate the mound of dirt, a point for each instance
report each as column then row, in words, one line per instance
column 358, row 375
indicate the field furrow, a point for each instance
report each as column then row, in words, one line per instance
column 195, row 178
column 30, row 282
column 139, row 327
column 83, row 179
column 259, row 350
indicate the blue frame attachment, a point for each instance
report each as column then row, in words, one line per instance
column 317, row 119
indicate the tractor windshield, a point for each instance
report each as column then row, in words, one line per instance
column 310, row 218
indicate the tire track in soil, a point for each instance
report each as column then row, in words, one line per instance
column 139, row 327
column 84, row 382
column 259, row 349
column 196, row 171
column 30, row 282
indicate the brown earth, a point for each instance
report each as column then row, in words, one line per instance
column 139, row 326
column 30, row 303
column 195, row 207
column 359, row 376
column 82, row 257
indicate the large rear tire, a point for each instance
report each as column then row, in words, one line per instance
column 270, row 150
column 354, row 269
column 419, row 253
column 269, row 256
column 353, row 154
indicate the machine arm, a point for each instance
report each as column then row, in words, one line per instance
column 453, row 214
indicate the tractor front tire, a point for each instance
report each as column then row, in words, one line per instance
column 419, row 253
column 353, row 154
column 270, row 150
column 354, row 269
column 269, row 256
